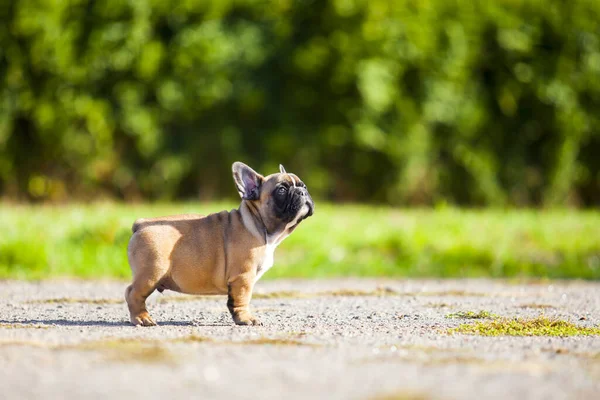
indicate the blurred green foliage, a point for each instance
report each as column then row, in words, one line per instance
column 40, row 242
column 395, row 101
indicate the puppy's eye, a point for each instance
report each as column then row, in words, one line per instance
column 281, row 190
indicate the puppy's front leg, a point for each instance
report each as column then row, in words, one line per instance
column 238, row 300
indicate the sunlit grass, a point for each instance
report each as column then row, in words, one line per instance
column 483, row 314
column 90, row 241
column 539, row 326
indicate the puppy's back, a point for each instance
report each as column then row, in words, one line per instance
column 171, row 219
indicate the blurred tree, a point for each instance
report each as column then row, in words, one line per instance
column 467, row 102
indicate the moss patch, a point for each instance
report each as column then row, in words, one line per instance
column 539, row 326
column 472, row 315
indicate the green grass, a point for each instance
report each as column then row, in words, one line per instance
column 539, row 326
column 472, row 315
column 90, row 241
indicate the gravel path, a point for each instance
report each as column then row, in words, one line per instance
column 330, row 339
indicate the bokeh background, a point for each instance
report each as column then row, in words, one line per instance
column 433, row 103
column 397, row 102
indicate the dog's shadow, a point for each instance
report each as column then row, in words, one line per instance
column 66, row 322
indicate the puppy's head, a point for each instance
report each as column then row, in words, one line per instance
column 281, row 199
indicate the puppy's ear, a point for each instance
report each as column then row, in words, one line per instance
column 246, row 180
column 281, row 169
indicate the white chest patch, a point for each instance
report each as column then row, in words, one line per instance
column 267, row 261
column 273, row 242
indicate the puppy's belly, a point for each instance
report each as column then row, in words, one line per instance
column 201, row 272
column 196, row 280
column 168, row 283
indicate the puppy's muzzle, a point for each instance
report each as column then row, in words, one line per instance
column 308, row 202
column 311, row 209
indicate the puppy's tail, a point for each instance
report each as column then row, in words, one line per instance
column 137, row 224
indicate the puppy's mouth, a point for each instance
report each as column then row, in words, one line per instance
column 311, row 209
column 309, row 212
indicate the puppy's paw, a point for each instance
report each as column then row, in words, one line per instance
column 143, row 319
column 249, row 320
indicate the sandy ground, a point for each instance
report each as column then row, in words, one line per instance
column 71, row 340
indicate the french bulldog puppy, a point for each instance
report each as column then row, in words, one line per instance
column 222, row 253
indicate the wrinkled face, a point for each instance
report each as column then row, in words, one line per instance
column 288, row 197
column 282, row 199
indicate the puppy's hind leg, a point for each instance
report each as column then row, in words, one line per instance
column 136, row 295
